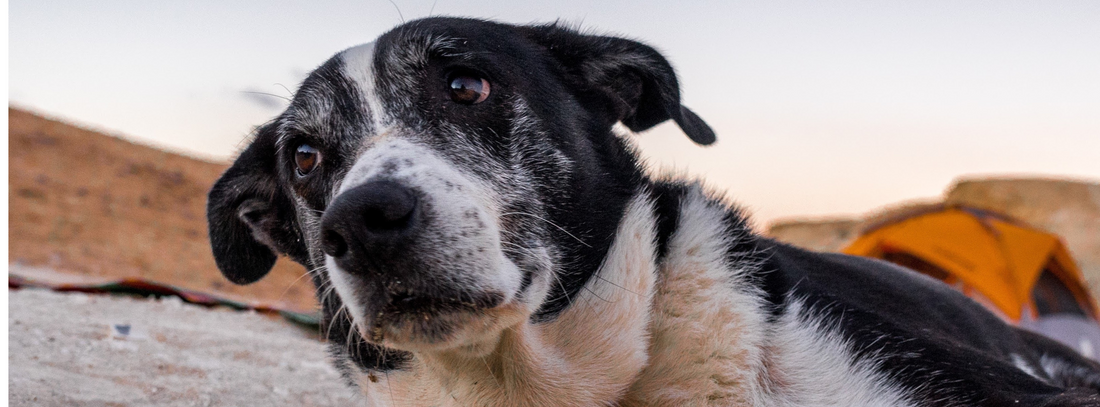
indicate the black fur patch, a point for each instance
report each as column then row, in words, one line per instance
column 667, row 197
column 939, row 345
column 250, row 216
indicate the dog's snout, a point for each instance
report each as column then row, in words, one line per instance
column 367, row 221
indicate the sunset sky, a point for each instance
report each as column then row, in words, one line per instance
column 821, row 108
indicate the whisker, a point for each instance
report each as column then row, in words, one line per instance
column 388, row 385
column 326, row 292
column 490, row 370
column 564, row 292
column 595, row 295
column 352, row 342
column 293, row 283
column 317, row 212
column 286, row 89
column 550, row 223
column 398, row 11
column 332, row 322
column 609, row 282
column 266, row 94
column 515, row 246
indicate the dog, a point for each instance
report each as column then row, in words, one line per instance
column 480, row 231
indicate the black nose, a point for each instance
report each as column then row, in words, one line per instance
column 367, row 223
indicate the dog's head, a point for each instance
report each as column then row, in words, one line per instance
column 450, row 179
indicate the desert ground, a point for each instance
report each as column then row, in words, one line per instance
column 77, row 349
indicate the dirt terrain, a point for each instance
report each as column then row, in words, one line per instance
column 88, row 203
column 99, row 350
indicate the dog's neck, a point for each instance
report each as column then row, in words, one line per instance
column 589, row 355
column 708, row 326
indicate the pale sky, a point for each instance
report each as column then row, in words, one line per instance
column 821, row 108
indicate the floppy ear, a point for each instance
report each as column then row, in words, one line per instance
column 250, row 217
column 629, row 81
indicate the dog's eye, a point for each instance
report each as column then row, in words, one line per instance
column 469, row 90
column 307, row 158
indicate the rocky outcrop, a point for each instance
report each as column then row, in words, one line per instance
column 823, row 235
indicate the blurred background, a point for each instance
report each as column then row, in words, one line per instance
column 834, row 121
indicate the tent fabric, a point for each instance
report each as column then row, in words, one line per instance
column 998, row 257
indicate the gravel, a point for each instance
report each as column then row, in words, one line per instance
column 74, row 349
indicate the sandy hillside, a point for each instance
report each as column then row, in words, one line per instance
column 1068, row 208
column 85, row 202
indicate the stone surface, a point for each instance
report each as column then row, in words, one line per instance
column 74, row 349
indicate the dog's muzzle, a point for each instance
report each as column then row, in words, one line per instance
column 375, row 232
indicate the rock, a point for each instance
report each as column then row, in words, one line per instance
column 819, row 235
column 202, row 352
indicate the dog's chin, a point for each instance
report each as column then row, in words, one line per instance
column 468, row 331
column 438, row 318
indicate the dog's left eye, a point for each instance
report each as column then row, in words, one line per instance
column 307, row 158
column 469, row 89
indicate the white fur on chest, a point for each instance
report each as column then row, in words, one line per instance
column 705, row 335
column 712, row 345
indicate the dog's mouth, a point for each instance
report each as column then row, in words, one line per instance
column 406, row 303
column 419, row 318
column 427, row 314
column 419, row 323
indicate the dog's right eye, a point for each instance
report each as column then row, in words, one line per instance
column 469, row 89
column 307, row 158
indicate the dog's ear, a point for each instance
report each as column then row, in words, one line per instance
column 250, row 217
column 627, row 80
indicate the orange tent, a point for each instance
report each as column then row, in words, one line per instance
column 1020, row 271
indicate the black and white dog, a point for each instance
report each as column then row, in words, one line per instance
column 480, row 232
